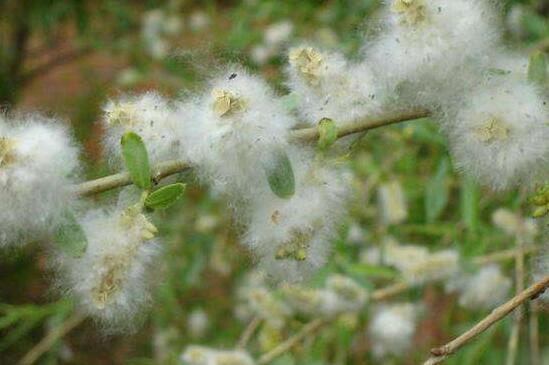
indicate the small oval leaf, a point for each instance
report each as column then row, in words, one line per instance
column 70, row 237
column 281, row 176
column 165, row 196
column 136, row 160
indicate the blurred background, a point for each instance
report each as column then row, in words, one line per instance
column 67, row 57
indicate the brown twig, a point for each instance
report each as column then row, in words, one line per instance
column 248, row 332
column 400, row 287
column 517, row 320
column 168, row 168
column 51, row 339
column 308, row 329
column 439, row 354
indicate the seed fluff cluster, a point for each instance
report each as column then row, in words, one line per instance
column 38, row 165
column 289, row 198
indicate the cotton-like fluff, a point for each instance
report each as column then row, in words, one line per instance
column 392, row 203
column 392, row 328
column 500, row 136
column 38, row 163
column 436, row 266
column 340, row 295
column 327, row 86
column 265, row 305
column 515, row 225
column 152, row 118
column 402, row 256
column 235, row 132
column 291, row 237
column 201, row 355
column 427, row 43
column 485, row 290
column 112, row 278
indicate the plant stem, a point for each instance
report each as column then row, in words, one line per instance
column 249, row 332
column 308, row 329
column 107, row 183
column 168, row 168
column 443, row 352
column 51, row 339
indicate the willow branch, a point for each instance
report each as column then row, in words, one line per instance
column 51, row 339
column 160, row 171
column 249, row 332
column 443, row 352
column 517, row 320
column 169, row 168
column 387, row 293
column 292, row 341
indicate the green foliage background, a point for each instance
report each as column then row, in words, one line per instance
column 66, row 57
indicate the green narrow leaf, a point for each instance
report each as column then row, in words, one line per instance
column 165, row 196
column 537, row 69
column 470, row 204
column 70, row 238
column 436, row 193
column 281, row 176
column 327, row 133
column 136, row 160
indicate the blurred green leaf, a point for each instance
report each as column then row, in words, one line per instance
column 70, row 238
column 470, row 195
column 537, row 69
column 436, row 192
column 281, row 176
column 136, row 159
column 165, row 196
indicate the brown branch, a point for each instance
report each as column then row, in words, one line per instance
column 106, row 183
column 441, row 353
column 249, row 332
column 168, row 168
column 51, row 339
column 308, row 329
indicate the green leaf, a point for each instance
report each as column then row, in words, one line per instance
column 327, row 133
column 537, row 69
column 136, row 160
column 470, row 204
column 165, row 196
column 436, row 192
column 70, row 237
column 281, row 176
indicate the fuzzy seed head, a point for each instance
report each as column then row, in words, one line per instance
column 412, row 12
column 309, row 63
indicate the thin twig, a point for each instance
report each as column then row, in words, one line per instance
column 248, row 332
column 535, row 355
column 51, row 339
column 106, row 183
column 443, row 352
column 517, row 320
column 400, row 287
column 308, row 329
column 390, row 291
column 504, row 255
column 168, row 168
